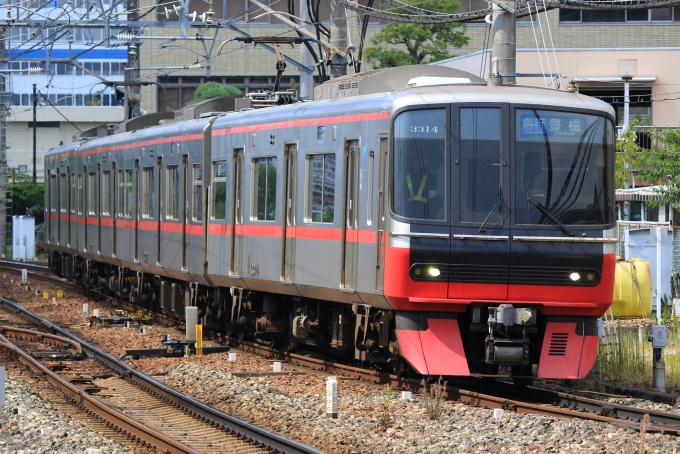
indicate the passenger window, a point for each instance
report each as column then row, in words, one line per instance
column 219, row 190
column 106, row 193
column 74, row 193
column 172, row 193
column 81, row 194
column 63, row 190
column 264, row 178
column 148, row 191
column 129, row 201
column 54, row 201
column 197, row 209
column 121, row 193
column 321, row 188
column 91, row 194
column 480, row 164
column 420, row 171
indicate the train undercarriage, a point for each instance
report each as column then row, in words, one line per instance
column 492, row 336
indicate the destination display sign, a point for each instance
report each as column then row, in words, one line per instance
column 550, row 124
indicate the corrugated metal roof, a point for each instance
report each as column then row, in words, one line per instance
column 646, row 194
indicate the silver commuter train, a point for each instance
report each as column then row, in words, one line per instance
column 451, row 228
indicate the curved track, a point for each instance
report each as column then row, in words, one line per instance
column 481, row 392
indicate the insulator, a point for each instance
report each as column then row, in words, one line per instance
column 126, row 37
column 193, row 16
column 34, row 69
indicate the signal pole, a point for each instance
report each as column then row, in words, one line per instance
column 503, row 51
column 35, row 126
column 306, row 59
column 338, row 39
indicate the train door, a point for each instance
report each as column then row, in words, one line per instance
column 159, row 169
column 135, row 210
column 382, row 185
column 350, row 226
column 237, row 214
column 288, row 243
column 185, row 209
column 480, row 234
column 99, row 208
column 114, row 206
column 69, row 206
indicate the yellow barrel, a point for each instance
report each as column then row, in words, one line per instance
column 632, row 289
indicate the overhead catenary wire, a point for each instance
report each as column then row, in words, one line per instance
column 538, row 50
column 557, row 67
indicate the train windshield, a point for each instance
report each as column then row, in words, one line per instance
column 560, row 167
column 420, row 184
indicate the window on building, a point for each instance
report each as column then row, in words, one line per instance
column 264, row 178
column 106, row 193
column 172, row 196
column 321, row 189
column 148, row 193
column 622, row 16
column 219, row 190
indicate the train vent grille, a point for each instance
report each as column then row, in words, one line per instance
column 558, row 344
column 348, row 86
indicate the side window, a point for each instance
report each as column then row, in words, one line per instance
column 219, row 190
column 172, row 192
column 81, row 194
column 74, row 193
column 129, row 201
column 54, row 200
column 63, row 192
column 197, row 208
column 106, row 193
column 91, row 194
column 321, row 188
column 121, row 193
column 148, row 192
column 264, row 180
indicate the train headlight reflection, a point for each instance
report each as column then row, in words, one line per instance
column 575, row 276
column 434, row 272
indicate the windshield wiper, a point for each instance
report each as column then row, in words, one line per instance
column 493, row 210
column 547, row 214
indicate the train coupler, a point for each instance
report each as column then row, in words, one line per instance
column 507, row 343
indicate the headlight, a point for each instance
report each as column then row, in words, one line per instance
column 434, row 272
column 575, row 276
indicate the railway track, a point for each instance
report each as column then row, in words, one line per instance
column 129, row 403
column 480, row 392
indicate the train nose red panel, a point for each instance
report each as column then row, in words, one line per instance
column 569, row 348
column 431, row 343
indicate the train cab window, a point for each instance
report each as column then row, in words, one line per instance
column 172, row 193
column 106, row 193
column 321, row 195
column 91, row 194
column 480, row 164
column 197, row 208
column 264, row 178
column 561, row 163
column 54, row 195
column 148, row 192
column 420, row 182
column 219, row 190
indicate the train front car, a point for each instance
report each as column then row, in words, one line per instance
column 501, row 246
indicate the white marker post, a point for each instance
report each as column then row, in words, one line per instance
column 24, row 275
column 277, row 366
column 332, row 397
column 85, row 307
column 2, row 386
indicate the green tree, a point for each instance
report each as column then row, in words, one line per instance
column 420, row 40
column 629, row 156
column 27, row 197
column 662, row 165
column 210, row 90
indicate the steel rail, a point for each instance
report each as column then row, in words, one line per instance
column 512, row 398
column 172, row 396
column 43, row 337
column 507, row 397
column 127, row 425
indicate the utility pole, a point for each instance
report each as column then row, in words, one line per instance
column 5, row 97
column 35, row 129
column 503, row 52
column 338, row 39
column 132, row 74
column 306, row 59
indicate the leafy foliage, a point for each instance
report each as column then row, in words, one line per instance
column 420, row 40
column 629, row 156
column 27, row 197
column 662, row 165
column 210, row 90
